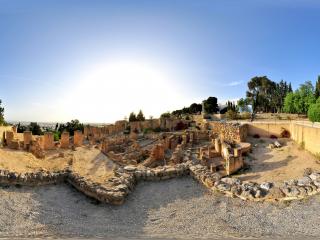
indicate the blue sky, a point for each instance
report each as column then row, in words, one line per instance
column 99, row 60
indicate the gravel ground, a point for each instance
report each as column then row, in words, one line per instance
column 178, row 208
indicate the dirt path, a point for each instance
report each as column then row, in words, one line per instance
column 173, row 209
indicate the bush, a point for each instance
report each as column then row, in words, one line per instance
column 273, row 136
column 56, row 136
column 147, row 130
column 285, row 133
column 245, row 115
column 231, row 115
column 314, row 112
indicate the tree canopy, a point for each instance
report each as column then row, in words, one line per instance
column 266, row 95
column 140, row 116
column 300, row 100
column 210, row 105
column 1, row 114
column 132, row 117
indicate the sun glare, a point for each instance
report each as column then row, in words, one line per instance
column 115, row 89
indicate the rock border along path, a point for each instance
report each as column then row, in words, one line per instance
column 127, row 177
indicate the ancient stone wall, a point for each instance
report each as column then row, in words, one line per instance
column 48, row 141
column 9, row 137
column 27, row 138
column 65, row 140
column 228, row 131
column 78, row 138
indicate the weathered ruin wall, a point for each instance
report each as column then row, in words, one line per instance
column 3, row 129
column 303, row 132
column 140, row 125
column 307, row 135
column 266, row 129
column 229, row 131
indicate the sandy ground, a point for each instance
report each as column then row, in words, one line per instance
column 175, row 209
column 22, row 161
column 89, row 162
column 92, row 164
column 278, row 164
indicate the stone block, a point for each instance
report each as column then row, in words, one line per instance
column 48, row 141
column 65, row 140
column 27, row 138
column 78, row 138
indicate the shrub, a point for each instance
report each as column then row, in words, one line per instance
column 231, row 114
column 273, row 136
column 147, row 130
column 245, row 115
column 56, row 136
column 314, row 112
column 285, row 133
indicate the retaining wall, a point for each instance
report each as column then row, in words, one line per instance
column 302, row 132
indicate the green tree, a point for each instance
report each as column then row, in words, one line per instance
column 259, row 93
column 132, row 117
column 289, row 106
column 195, row 108
column 140, row 116
column 35, row 128
column 314, row 111
column 70, row 127
column 1, row 114
column 300, row 100
column 243, row 105
column 317, row 88
column 165, row 115
column 210, row 105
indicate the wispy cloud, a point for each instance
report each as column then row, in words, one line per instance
column 235, row 83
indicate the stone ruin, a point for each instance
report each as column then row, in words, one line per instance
column 38, row 145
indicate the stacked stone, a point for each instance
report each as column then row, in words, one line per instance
column 232, row 132
column 33, row 178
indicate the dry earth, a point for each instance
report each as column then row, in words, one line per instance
column 278, row 164
column 22, row 161
column 175, row 209
column 92, row 164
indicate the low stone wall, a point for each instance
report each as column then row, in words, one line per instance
column 124, row 181
column 118, row 187
column 289, row 190
column 34, row 178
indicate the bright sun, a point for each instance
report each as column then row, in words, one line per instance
column 110, row 91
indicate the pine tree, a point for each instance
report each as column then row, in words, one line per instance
column 140, row 116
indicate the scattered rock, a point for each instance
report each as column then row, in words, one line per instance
column 266, row 185
column 277, row 144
